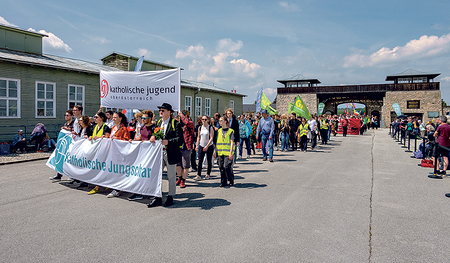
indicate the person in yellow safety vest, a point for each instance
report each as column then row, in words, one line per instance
column 225, row 152
column 302, row 134
column 323, row 128
column 101, row 130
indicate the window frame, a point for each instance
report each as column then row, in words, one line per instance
column 188, row 107
column 231, row 104
column 75, row 101
column 208, row 108
column 45, row 100
column 199, row 107
column 8, row 99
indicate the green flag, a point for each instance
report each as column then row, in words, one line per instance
column 300, row 108
column 265, row 105
column 290, row 105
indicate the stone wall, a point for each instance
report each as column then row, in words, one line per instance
column 430, row 100
column 310, row 100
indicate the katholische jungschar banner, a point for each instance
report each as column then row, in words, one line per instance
column 132, row 167
column 140, row 90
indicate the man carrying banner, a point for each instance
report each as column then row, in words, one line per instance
column 266, row 131
column 173, row 139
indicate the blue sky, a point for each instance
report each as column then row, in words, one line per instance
column 251, row 44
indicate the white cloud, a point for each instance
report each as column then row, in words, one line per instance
column 425, row 46
column 224, row 67
column 290, row 7
column 228, row 45
column 447, row 79
column 269, row 91
column 143, row 52
column 243, row 65
column 52, row 42
column 192, row 51
column 6, row 23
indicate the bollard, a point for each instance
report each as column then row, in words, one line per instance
column 415, row 143
column 409, row 143
column 423, row 155
column 434, row 174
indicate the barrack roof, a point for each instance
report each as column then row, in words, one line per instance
column 52, row 61
column 195, row 85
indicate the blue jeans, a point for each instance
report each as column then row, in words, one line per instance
column 247, row 144
column 284, row 141
column 265, row 141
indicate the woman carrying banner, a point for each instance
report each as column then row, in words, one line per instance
column 86, row 128
column 145, row 133
column 101, row 130
column 204, row 147
column 120, row 132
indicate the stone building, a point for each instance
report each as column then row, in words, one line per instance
column 415, row 92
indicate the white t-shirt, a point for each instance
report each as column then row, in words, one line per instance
column 312, row 124
column 205, row 135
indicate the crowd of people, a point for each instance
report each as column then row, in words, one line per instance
column 196, row 145
column 435, row 137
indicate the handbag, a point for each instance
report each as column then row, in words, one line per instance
column 427, row 163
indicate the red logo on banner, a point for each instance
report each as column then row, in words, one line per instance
column 104, row 88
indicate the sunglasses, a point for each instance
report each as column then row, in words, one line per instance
column 96, row 117
column 144, row 118
column 67, row 115
column 204, row 119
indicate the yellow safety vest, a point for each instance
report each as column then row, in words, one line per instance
column 100, row 132
column 303, row 129
column 323, row 124
column 223, row 144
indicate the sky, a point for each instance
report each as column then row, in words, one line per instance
column 246, row 45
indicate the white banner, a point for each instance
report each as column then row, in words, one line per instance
column 132, row 167
column 140, row 90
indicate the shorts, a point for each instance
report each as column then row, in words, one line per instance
column 185, row 159
column 442, row 152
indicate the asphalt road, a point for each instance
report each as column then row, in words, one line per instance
column 358, row 199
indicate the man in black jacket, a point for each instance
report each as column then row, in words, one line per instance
column 172, row 141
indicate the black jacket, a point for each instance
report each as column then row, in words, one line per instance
column 175, row 138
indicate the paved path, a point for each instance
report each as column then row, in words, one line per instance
column 358, row 199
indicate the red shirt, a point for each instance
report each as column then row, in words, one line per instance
column 443, row 132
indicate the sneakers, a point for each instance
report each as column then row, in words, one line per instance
column 93, row 191
column 183, row 183
column 56, row 178
column 178, row 181
column 197, row 178
column 207, row 177
column 114, row 193
column 134, row 197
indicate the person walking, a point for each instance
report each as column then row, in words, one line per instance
column 205, row 147
column 245, row 129
column 313, row 131
column 323, row 128
column 284, row 133
column 173, row 139
column 224, row 152
column 266, row 131
column 302, row 134
column 344, row 125
column 293, row 127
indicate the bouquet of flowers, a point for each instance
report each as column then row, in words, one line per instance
column 158, row 133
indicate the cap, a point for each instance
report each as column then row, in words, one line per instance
column 264, row 111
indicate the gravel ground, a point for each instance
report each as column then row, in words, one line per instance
column 23, row 157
